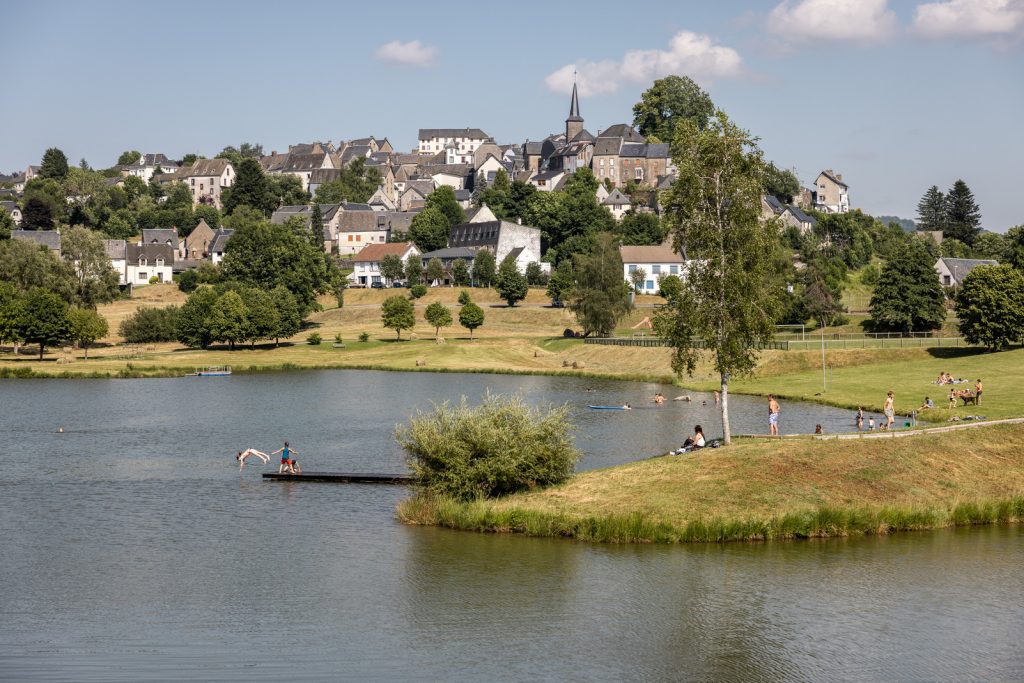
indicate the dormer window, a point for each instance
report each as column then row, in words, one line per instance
column 142, row 261
column 159, row 262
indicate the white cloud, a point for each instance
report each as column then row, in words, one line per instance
column 414, row 54
column 688, row 54
column 854, row 20
column 967, row 18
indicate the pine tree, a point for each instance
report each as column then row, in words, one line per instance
column 963, row 216
column 316, row 227
column 931, row 210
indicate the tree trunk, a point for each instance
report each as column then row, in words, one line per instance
column 726, row 430
column 41, row 347
column 399, row 331
column 85, row 349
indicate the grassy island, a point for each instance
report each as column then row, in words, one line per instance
column 761, row 490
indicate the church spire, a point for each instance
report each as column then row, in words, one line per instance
column 574, row 106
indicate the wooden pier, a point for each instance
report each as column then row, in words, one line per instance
column 343, row 477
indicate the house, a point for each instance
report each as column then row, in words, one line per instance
column 319, row 176
column 221, row 237
column 466, row 140
column 46, row 238
column 547, row 181
column 196, row 244
column 302, row 166
column 206, row 178
column 830, row 193
column 655, row 261
column 771, row 207
column 146, row 261
column 480, row 214
column 168, row 236
column 117, row 252
column 447, row 257
column 952, row 271
column 793, row 216
column 455, row 176
column 366, row 264
column 617, row 203
column 12, row 210
column 357, row 228
column 149, row 165
column 501, row 238
column 607, row 162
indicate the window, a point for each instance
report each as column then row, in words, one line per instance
column 656, row 270
column 602, row 173
column 639, row 173
column 673, row 270
column 359, row 238
column 159, row 262
column 193, row 182
column 142, row 276
column 946, row 280
column 350, row 238
column 142, row 261
column 632, row 268
column 601, row 163
column 649, row 284
column 611, row 162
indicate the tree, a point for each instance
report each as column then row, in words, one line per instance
column 667, row 103
column 781, row 183
column 479, row 186
column 535, row 275
column 10, row 314
column 397, row 313
column 287, row 190
column 392, row 268
column 192, row 324
column 414, row 269
column 148, row 325
column 484, row 268
column 510, row 283
column 990, row 245
column 43, row 319
column 464, row 298
column 250, row 188
column 86, row 326
column 288, row 314
column 443, row 199
column 821, row 301
column 262, row 316
column 429, row 229
column 6, row 224
column 435, row 271
column 96, row 282
column 637, row 277
column 55, row 164
column 190, row 159
column 27, row 265
column 355, row 183
column 561, row 282
column 36, row 215
column 990, row 306
column 460, row 273
column 931, row 210
column 963, row 217
column 954, row 248
column 228, row 319
column 600, row 298
column 731, row 297
column 316, row 227
column 670, row 287
column 471, row 317
column 438, row 315
column 640, row 229
column 908, row 296
column 129, row 157
column 1015, row 247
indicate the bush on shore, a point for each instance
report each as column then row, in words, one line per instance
column 499, row 447
column 149, row 325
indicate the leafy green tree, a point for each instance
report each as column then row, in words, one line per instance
column 908, row 297
column 670, row 287
column 192, row 325
column 562, row 282
column 535, row 275
column 443, row 199
column 288, row 313
column 251, row 188
column 931, row 210
column 471, row 317
column 600, row 298
column 27, row 265
column 355, row 183
column 190, row 159
column 262, row 316
column 667, row 103
column 435, row 270
column 781, row 183
column 36, row 215
column 640, row 229
column 246, row 150
column 429, row 230
column 821, row 297
column 464, row 298
column 731, row 297
column 129, row 157
column 6, row 224
column 954, row 248
column 990, row 245
column 149, row 325
column 397, row 313
column 637, row 278
column 417, row 291
column 229, row 319
column 990, row 306
column 438, row 315
column 205, row 212
column 460, row 272
column 392, row 268
column 484, row 268
column 96, row 282
column 414, row 270
column 963, row 217
column 43, row 319
column 10, row 314
column 479, row 187
column 86, row 326
column 1015, row 247
column 55, row 164
column 510, row 283
column 287, row 190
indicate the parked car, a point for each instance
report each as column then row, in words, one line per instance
column 377, row 285
column 396, row 284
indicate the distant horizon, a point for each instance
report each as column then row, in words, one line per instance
column 895, row 96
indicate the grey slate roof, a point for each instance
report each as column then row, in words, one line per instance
column 451, row 253
column 480, row 234
column 302, row 163
column 624, row 131
column 353, row 152
column 643, row 150
column 959, row 267
column 616, row 197
column 46, row 238
column 460, row 170
column 151, row 252
column 474, row 133
column 319, row 176
column 463, row 195
column 8, row 206
column 116, row 249
column 160, row 236
column 776, row 206
column 607, row 146
column 800, row 215
column 203, row 167
column 221, row 237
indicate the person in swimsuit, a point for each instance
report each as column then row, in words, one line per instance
column 250, row 452
column 977, row 392
column 860, row 418
column 889, row 410
column 286, row 459
column 773, row 415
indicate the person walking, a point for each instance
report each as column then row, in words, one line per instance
column 977, row 392
column 773, row 415
column 890, row 410
column 860, row 418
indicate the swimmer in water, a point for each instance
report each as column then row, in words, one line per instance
column 248, row 453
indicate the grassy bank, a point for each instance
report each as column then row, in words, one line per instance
column 763, row 491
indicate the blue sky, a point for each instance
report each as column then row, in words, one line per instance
column 897, row 95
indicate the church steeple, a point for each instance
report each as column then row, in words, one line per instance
column 573, row 124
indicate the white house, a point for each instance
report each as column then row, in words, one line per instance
column 656, row 262
column 465, row 141
column 366, row 264
column 617, row 203
column 12, row 209
column 145, row 261
column 952, row 271
column 118, row 255
column 147, row 166
column 501, row 238
column 221, row 237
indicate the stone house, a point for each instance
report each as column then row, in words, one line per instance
column 793, row 216
column 206, row 178
column 830, row 193
column 13, row 211
column 196, row 244
column 501, row 238
column 617, row 203
column 952, row 271
column 148, row 165
column 47, row 238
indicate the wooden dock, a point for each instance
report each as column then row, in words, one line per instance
column 343, row 477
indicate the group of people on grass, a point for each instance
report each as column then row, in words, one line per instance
column 289, row 464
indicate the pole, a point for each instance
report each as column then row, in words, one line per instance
column 824, row 386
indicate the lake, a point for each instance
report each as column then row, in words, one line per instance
column 133, row 550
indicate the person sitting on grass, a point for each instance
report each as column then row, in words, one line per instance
column 692, row 442
column 817, row 429
column 928, row 403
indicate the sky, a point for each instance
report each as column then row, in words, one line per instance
column 897, row 95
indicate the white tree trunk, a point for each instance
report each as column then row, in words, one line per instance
column 726, row 431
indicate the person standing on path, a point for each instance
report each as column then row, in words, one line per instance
column 977, row 392
column 773, row 415
column 889, row 410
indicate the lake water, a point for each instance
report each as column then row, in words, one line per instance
column 132, row 550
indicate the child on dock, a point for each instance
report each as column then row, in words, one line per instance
column 288, row 464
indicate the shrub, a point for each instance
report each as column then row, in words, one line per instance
column 364, row 337
column 464, row 298
column 337, row 339
column 416, row 291
column 149, row 325
column 153, row 280
column 870, row 275
column 497, row 448
column 314, row 339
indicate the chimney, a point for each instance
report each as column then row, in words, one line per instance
column 839, row 177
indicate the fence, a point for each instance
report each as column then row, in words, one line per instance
column 654, row 341
column 809, row 344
